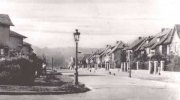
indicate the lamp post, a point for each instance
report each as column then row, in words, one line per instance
column 129, row 57
column 76, row 39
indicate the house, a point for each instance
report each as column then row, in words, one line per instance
column 15, row 43
column 115, row 54
column 104, row 58
column 84, row 62
column 5, row 23
column 26, row 49
column 89, row 61
column 161, row 42
column 135, row 47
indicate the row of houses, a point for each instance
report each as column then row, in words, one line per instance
column 161, row 50
column 12, row 43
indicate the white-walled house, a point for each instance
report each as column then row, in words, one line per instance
column 162, row 46
column 166, row 42
column 174, row 46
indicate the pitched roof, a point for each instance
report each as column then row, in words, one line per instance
column 165, row 37
column 177, row 27
column 169, row 37
column 5, row 20
column 136, row 43
column 12, row 33
column 105, row 50
column 145, row 43
column 86, row 56
column 118, row 45
column 26, row 44
column 152, row 42
column 140, row 46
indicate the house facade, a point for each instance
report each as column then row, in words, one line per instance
column 5, row 23
column 165, row 43
column 174, row 41
column 11, row 43
column 115, row 55
column 16, row 41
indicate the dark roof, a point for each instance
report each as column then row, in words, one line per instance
column 144, row 43
column 26, row 44
column 105, row 50
column 118, row 45
column 140, row 46
column 136, row 43
column 86, row 56
column 152, row 42
column 169, row 37
column 5, row 20
column 12, row 33
column 177, row 27
column 165, row 37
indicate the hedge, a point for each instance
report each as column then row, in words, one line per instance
column 17, row 71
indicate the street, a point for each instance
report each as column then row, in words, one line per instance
column 109, row 87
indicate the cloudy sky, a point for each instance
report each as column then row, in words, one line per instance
column 51, row 23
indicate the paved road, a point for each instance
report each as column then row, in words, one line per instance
column 108, row 87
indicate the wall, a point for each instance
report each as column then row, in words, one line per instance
column 117, row 58
column 26, row 50
column 15, row 43
column 175, row 45
column 4, row 35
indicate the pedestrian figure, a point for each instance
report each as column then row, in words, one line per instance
column 44, row 68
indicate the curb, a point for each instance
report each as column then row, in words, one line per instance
column 38, row 93
column 33, row 93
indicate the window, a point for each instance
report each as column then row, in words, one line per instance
column 2, row 51
column 148, row 50
column 147, row 42
column 158, row 39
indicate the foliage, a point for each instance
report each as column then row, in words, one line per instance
column 142, row 57
column 19, row 70
column 158, row 57
column 123, row 56
column 173, row 63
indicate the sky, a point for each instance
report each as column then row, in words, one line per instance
column 51, row 23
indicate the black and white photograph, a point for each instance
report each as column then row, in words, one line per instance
column 89, row 50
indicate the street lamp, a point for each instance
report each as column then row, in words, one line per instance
column 129, row 58
column 76, row 39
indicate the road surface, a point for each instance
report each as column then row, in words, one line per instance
column 109, row 87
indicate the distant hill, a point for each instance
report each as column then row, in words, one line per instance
column 60, row 55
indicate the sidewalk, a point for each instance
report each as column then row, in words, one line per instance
column 165, row 76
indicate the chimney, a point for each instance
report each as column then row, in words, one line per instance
column 140, row 37
column 163, row 29
column 117, row 42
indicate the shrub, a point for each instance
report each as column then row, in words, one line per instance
column 17, row 71
column 173, row 64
